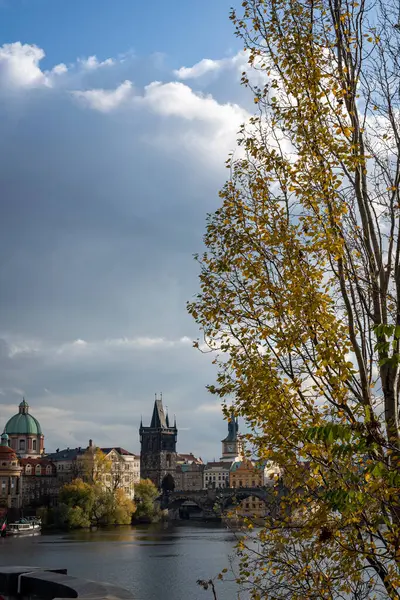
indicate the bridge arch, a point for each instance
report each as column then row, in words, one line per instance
column 178, row 500
column 237, row 495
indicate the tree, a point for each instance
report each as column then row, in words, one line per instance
column 83, row 504
column 300, row 292
column 145, row 495
column 76, row 502
column 94, row 466
column 124, row 508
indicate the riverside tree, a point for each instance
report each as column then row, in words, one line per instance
column 145, row 495
column 300, row 292
column 82, row 504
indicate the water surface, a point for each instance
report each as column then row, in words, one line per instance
column 156, row 562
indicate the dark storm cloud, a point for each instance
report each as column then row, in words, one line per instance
column 100, row 213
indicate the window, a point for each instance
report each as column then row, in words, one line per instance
column 38, row 470
column 34, row 445
column 48, row 470
column 28, row 469
column 22, row 444
column 126, row 467
column 168, row 460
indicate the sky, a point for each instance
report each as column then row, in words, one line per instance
column 116, row 118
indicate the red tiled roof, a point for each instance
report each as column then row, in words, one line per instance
column 43, row 462
column 189, row 457
column 7, row 453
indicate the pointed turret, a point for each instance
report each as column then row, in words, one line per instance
column 158, row 419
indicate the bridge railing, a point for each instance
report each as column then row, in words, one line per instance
column 35, row 583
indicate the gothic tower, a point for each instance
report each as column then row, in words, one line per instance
column 232, row 448
column 158, row 449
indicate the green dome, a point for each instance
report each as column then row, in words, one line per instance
column 23, row 423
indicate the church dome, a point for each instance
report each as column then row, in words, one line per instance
column 23, row 423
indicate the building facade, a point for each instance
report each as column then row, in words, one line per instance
column 66, row 463
column 40, row 485
column 216, row 475
column 24, row 433
column 124, row 472
column 189, row 476
column 10, row 477
column 158, row 457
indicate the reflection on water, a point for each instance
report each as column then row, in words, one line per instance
column 155, row 562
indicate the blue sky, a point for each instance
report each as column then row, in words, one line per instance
column 116, row 118
column 71, row 28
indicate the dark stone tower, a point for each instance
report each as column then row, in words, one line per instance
column 158, row 449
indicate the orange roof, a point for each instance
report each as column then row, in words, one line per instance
column 7, row 453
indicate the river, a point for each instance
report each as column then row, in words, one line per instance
column 155, row 562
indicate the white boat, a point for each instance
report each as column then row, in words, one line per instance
column 23, row 526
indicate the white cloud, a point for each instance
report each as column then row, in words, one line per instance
column 59, row 69
column 211, row 129
column 81, row 347
column 106, row 100
column 237, row 63
column 206, row 65
column 18, row 347
column 179, row 100
column 91, row 63
column 19, row 66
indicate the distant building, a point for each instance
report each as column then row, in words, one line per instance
column 66, row 463
column 125, row 466
column 232, row 447
column 40, row 485
column 189, row 476
column 246, row 474
column 216, row 475
column 158, row 457
column 10, row 477
column 24, row 433
column 125, row 470
column 251, row 474
column 188, row 459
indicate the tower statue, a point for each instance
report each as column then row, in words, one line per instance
column 232, row 448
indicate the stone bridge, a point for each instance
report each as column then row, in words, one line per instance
column 218, row 499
